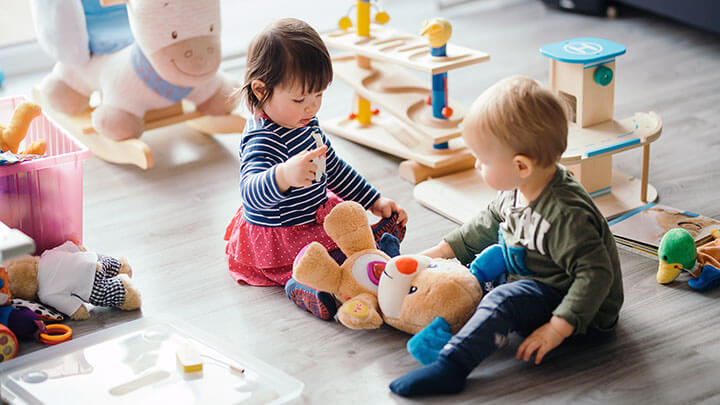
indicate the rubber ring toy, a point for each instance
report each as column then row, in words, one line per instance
column 57, row 333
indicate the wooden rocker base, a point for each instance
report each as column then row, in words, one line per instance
column 135, row 151
column 389, row 135
column 462, row 195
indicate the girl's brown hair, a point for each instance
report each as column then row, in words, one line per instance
column 287, row 52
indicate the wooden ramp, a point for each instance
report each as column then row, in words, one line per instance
column 460, row 195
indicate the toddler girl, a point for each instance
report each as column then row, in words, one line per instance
column 290, row 175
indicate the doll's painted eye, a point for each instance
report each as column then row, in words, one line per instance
column 211, row 27
column 665, row 257
column 174, row 35
column 432, row 265
column 412, row 290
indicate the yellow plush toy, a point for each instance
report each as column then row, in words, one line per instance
column 16, row 130
column 67, row 276
column 406, row 292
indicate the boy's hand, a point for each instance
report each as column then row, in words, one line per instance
column 544, row 339
column 441, row 250
column 299, row 170
column 384, row 207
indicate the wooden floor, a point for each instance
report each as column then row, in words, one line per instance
column 169, row 222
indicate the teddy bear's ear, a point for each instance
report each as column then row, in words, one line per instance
column 347, row 225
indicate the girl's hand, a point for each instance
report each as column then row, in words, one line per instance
column 384, row 207
column 544, row 339
column 299, row 170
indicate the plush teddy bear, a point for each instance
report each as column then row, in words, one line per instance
column 406, row 292
column 20, row 322
column 66, row 276
column 175, row 55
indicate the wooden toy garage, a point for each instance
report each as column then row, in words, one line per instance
column 582, row 72
column 419, row 122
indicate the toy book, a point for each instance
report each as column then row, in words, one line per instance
column 643, row 228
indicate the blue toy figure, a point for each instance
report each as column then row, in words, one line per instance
column 438, row 31
column 2, row 77
column 488, row 267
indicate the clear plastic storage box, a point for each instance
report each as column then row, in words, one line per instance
column 136, row 363
column 44, row 197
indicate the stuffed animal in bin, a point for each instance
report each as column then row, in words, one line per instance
column 406, row 292
column 15, row 322
column 677, row 252
column 67, row 276
column 12, row 134
column 172, row 55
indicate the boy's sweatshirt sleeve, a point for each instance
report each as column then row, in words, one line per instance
column 574, row 244
column 480, row 232
column 260, row 153
column 344, row 181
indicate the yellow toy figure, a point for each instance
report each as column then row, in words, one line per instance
column 12, row 134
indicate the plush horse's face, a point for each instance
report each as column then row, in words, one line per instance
column 181, row 38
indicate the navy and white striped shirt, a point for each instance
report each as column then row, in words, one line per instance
column 266, row 144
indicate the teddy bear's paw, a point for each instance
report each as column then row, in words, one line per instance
column 132, row 295
column 358, row 314
column 81, row 314
column 125, row 267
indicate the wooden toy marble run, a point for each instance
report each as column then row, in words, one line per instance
column 582, row 72
column 420, row 122
column 136, row 151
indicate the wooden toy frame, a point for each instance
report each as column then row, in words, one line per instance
column 593, row 138
column 407, row 128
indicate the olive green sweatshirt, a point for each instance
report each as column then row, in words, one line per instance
column 560, row 239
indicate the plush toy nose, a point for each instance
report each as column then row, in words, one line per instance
column 406, row 265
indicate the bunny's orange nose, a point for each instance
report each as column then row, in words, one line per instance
column 406, row 265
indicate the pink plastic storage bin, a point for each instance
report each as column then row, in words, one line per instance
column 44, row 197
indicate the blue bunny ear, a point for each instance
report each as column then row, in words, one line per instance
column 389, row 244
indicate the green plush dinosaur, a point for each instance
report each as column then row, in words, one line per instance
column 677, row 252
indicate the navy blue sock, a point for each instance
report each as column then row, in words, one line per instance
column 440, row 377
column 319, row 303
column 389, row 244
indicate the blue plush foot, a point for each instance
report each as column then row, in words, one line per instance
column 320, row 304
column 709, row 279
column 489, row 264
column 440, row 377
column 389, row 244
column 426, row 344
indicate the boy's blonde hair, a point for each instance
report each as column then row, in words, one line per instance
column 524, row 116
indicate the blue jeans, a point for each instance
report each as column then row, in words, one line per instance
column 519, row 306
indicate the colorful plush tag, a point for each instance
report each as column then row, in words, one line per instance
column 43, row 312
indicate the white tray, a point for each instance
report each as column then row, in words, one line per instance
column 135, row 363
